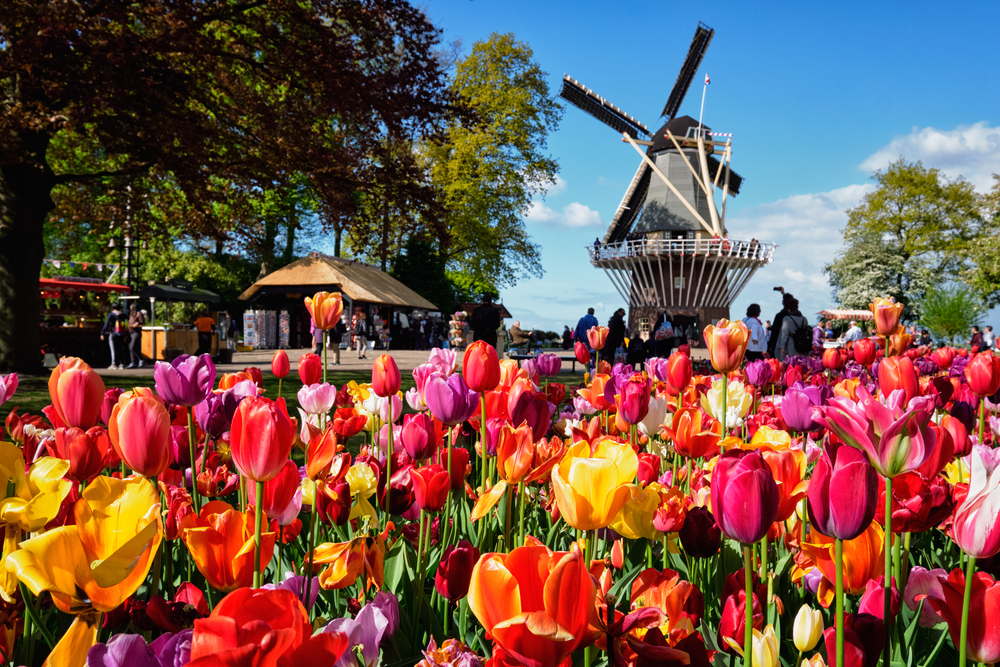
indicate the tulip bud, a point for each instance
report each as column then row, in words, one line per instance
column 385, row 376
column 582, row 353
column 832, row 360
column 943, row 356
column 430, row 487
column 261, row 437
column 873, row 600
column 110, row 401
column 793, row 375
column 864, row 351
column 450, row 400
column 745, row 497
column 325, row 309
column 454, row 572
column 597, row 336
column 140, row 433
column 700, row 536
column 310, row 369
column 726, row 343
column 418, row 436
column 758, row 372
column 549, row 364
column 983, row 374
column 807, row 628
column 898, row 373
column 843, row 492
column 887, row 313
column 481, row 367
column 280, row 365
column 77, row 393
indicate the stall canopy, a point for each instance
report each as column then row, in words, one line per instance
column 162, row 292
column 358, row 281
column 53, row 288
column 837, row 314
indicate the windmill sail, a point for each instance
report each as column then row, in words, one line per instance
column 584, row 98
column 696, row 52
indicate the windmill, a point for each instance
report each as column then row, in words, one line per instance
column 667, row 247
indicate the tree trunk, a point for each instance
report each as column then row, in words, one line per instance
column 338, row 231
column 25, row 201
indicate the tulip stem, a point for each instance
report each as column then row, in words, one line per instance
column 970, row 572
column 838, row 555
column 277, row 568
column 324, row 359
column 887, row 583
column 194, row 467
column 482, row 441
column 763, row 572
column 982, row 421
column 29, row 608
column 419, row 583
column 725, row 395
column 311, row 539
column 388, row 460
column 257, row 516
column 279, row 387
column 748, row 586
column 520, row 507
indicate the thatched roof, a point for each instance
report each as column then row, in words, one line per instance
column 359, row 281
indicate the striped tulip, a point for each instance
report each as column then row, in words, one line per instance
column 325, row 309
column 726, row 343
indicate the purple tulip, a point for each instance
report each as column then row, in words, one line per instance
column 493, row 427
column 296, row 583
column 451, row 400
column 843, row 492
column 926, row 366
column 549, row 364
column 169, row 650
column 797, row 405
column 180, row 454
column 8, row 385
column 745, row 496
column 186, row 380
column 173, row 650
column 317, row 399
column 957, row 369
column 388, row 604
column 376, row 622
column 211, row 415
column 964, row 412
column 758, row 373
column 110, row 401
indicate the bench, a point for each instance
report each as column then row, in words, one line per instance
column 520, row 357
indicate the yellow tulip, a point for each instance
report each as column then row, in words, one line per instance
column 807, row 628
column 591, row 487
column 359, row 392
column 635, row 519
column 738, row 402
column 769, row 437
column 363, row 485
column 37, row 495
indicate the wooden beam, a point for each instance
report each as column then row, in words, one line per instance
column 707, row 187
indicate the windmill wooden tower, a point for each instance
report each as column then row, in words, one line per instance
column 667, row 247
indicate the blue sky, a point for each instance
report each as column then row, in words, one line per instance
column 816, row 94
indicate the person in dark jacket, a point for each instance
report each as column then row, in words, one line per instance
column 485, row 321
column 616, row 336
column 567, row 338
column 776, row 326
column 113, row 331
column 663, row 343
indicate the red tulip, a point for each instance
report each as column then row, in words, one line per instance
column 734, row 616
column 898, row 373
column 454, row 572
column 843, row 492
column 983, row 374
column 261, row 437
column 983, row 639
column 279, row 364
column 140, row 432
column 310, row 369
column 793, row 375
column 385, row 376
column 86, row 451
column 481, row 367
column 678, row 373
column 864, row 351
column 77, row 392
column 430, row 487
column 582, row 352
column 649, row 468
column 745, row 498
column 832, row 359
column 943, row 356
column 348, row 422
column 864, row 637
column 459, row 464
column 279, row 492
column 911, row 502
column 333, row 502
column 961, row 443
column 942, row 455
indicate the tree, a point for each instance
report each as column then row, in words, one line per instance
column 948, row 312
column 984, row 276
column 489, row 171
column 915, row 229
column 211, row 98
column 421, row 268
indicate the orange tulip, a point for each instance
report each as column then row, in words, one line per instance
column 727, row 343
column 676, row 598
column 898, row 373
column 77, row 393
column 346, row 561
column 325, row 309
column 887, row 313
column 481, row 367
column 897, row 342
column 140, row 432
column 534, row 603
column 322, row 449
column 595, row 392
column 694, row 434
column 220, row 541
column 519, row 459
column 597, row 337
column 788, row 466
column 385, row 376
column 863, row 561
column 847, row 388
column 230, row 380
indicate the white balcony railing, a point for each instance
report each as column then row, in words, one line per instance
column 752, row 249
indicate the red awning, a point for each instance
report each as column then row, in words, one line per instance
column 53, row 289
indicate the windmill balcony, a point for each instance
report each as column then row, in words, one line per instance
column 752, row 250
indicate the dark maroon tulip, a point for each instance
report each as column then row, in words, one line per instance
column 186, row 380
column 700, row 535
column 533, row 409
column 334, row 503
column 744, row 495
column 843, row 492
column 864, row 637
column 401, row 498
column 455, row 570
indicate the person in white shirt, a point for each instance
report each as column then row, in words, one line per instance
column 758, row 337
column 854, row 333
column 989, row 339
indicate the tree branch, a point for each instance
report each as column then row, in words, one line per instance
column 76, row 178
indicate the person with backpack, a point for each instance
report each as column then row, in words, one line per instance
column 136, row 321
column 113, row 330
column 796, row 335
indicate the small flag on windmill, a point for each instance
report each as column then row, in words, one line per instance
column 707, row 80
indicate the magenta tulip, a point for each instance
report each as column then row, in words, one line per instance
column 633, row 399
column 745, row 497
column 418, row 435
column 186, row 380
column 549, row 364
column 976, row 527
column 451, row 400
column 759, row 373
column 843, row 492
column 873, row 600
column 8, row 385
column 797, row 405
column 533, row 409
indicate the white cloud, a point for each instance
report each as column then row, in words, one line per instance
column 539, row 212
column 573, row 215
column 558, row 187
column 972, row 151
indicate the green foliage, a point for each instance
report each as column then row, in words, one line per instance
column 950, row 311
column 470, row 288
column 488, row 172
column 421, row 268
column 984, row 276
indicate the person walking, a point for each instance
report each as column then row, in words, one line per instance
column 795, row 336
column 318, row 336
column 772, row 343
column 567, row 338
column 757, row 344
column 205, row 325
column 989, row 339
column 112, row 331
column 336, row 337
column 584, row 325
column 136, row 320
column 616, row 336
column 361, row 335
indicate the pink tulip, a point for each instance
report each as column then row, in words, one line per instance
column 745, row 496
column 843, row 492
column 897, row 437
column 317, row 399
column 419, row 436
column 8, row 385
column 921, row 582
column 280, row 494
column 873, row 600
column 77, row 393
column 549, row 364
column 976, row 528
column 633, row 399
column 443, row 361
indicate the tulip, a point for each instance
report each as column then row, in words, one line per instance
column 887, row 313
column 481, row 367
column 454, row 572
column 140, row 433
column 310, row 368
column 333, row 502
column 649, row 468
column 898, row 373
column 788, row 467
column 862, row 559
column 317, row 399
column 678, row 373
column 38, row 496
column 843, row 492
column 982, row 601
column 758, row 373
column 431, row 484
column 864, row 637
column 371, row 627
column 691, row 438
column 77, row 393
column 976, row 528
column 8, row 385
column 261, row 438
column 531, row 408
column 943, row 356
column 807, row 629
column 581, row 352
column 793, row 376
column 186, row 380
column 348, row 422
column 597, row 336
column 108, row 404
column 797, row 407
column 595, row 393
column 864, row 351
column 832, row 360
column 419, row 436
column 385, row 376
column 214, row 414
column 279, row 493
column 591, row 487
column 639, row 516
column 728, row 402
column 280, row 365
column 534, row 603
column 549, row 364
column 765, row 649
column 921, row 583
column 735, row 615
column 459, row 468
column 221, row 541
column 451, row 401
column 700, row 535
column 983, row 374
column 87, row 451
column 325, row 309
column 726, row 343
column 873, row 600
column 745, row 498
